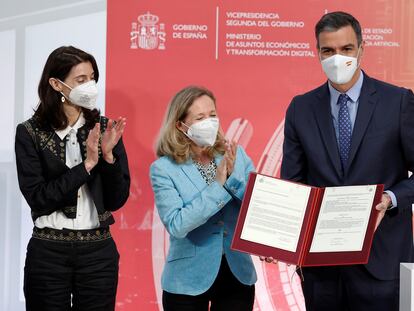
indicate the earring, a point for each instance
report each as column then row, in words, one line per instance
column 63, row 99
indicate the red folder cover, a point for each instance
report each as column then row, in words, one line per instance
column 302, row 256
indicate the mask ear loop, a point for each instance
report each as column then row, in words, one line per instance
column 184, row 124
column 65, row 84
column 64, row 97
column 183, row 131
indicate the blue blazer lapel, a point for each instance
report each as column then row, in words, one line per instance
column 193, row 174
column 366, row 107
column 322, row 110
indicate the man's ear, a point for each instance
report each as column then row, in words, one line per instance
column 362, row 47
column 361, row 53
column 318, row 52
column 55, row 84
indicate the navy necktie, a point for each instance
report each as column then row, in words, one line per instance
column 345, row 129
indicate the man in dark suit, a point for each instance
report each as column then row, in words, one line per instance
column 355, row 130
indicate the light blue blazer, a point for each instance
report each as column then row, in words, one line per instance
column 200, row 219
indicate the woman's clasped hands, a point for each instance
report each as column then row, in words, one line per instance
column 109, row 139
column 226, row 166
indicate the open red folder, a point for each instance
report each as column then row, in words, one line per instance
column 304, row 225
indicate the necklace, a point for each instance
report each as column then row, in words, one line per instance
column 207, row 171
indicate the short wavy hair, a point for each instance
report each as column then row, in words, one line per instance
column 334, row 21
column 171, row 141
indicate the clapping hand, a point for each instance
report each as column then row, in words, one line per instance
column 111, row 136
column 226, row 165
column 92, row 143
column 230, row 156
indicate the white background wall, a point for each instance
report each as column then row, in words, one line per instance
column 29, row 31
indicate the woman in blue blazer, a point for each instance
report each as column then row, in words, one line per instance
column 199, row 181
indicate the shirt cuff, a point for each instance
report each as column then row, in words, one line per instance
column 393, row 198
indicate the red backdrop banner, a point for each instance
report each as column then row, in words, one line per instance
column 255, row 56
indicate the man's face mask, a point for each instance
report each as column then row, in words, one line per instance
column 339, row 68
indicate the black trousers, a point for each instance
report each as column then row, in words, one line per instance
column 348, row 288
column 60, row 276
column 226, row 294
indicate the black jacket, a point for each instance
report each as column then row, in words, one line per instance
column 49, row 185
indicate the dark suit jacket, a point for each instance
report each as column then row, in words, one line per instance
column 382, row 151
column 49, row 185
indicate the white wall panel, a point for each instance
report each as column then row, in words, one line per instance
column 87, row 32
column 7, row 81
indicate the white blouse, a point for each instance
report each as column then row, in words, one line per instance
column 86, row 213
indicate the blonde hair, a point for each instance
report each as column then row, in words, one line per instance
column 171, row 141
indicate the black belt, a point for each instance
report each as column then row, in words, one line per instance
column 68, row 235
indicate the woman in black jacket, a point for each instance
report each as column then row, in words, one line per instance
column 73, row 171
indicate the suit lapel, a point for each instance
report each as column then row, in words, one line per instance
column 193, row 174
column 322, row 110
column 366, row 107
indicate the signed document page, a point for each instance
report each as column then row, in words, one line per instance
column 343, row 219
column 275, row 213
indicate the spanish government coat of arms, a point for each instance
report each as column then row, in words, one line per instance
column 147, row 34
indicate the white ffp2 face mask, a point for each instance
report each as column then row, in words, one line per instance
column 339, row 68
column 83, row 95
column 204, row 132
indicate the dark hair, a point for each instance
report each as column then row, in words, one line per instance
column 336, row 20
column 50, row 111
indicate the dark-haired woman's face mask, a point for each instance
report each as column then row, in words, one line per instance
column 83, row 95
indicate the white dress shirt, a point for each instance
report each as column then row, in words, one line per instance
column 86, row 213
